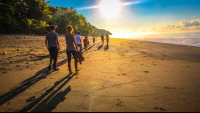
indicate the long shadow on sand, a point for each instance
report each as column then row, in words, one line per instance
column 23, row 86
column 42, row 74
column 90, row 48
column 106, row 47
column 50, row 99
column 100, row 46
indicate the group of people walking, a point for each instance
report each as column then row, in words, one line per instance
column 74, row 46
column 107, row 38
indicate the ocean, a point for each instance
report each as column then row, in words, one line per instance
column 189, row 39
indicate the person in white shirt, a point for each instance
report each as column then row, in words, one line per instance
column 79, row 43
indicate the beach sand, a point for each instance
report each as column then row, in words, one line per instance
column 125, row 76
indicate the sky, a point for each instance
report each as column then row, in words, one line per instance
column 138, row 17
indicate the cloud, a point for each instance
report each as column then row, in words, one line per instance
column 133, row 31
column 144, row 30
column 184, row 25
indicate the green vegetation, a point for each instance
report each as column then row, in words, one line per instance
column 36, row 16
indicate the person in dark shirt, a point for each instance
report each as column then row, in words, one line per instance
column 102, row 39
column 93, row 40
column 107, row 38
column 53, row 46
column 85, row 43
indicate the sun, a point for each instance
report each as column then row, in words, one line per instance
column 110, row 8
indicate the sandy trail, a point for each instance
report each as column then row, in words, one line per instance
column 126, row 76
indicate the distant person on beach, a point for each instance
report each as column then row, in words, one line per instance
column 93, row 40
column 102, row 39
column 53, row 46
column 107, row 38
column 85, row 43
column 71, row 48
column 87, row 40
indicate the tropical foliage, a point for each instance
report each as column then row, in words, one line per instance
column 36, row 16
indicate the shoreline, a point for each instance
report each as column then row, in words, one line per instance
column 136, row 39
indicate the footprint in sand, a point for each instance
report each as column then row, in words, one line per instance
column 159, row 108
column 146, row 71
column 119, row 102
column 30, row 99
column 169, row 87
column 17, row 65
column 4, row 72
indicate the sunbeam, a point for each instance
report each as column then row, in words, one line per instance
column 134, row 2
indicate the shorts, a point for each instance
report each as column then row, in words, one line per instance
column 73, row 52
column 79, row 45
column 85, row 45
column 53, row 52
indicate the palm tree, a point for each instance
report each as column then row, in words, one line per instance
column 30, row 24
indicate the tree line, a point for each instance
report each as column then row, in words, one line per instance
column 36, row 17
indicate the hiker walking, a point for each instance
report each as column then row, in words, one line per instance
column 93, row 40
column 53, row 46
column 102, row 39
column 107, row 38
column 79, row 44
column 71, row 48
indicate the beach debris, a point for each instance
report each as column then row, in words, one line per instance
column 18, row 49
column 4, row 53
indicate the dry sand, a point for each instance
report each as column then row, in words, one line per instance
column 126, row 76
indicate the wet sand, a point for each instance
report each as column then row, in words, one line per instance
column 125, row 76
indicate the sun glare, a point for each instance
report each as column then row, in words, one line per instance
column 110, row 8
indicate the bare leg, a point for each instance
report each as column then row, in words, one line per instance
column 69, row 67
column 76, row 62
